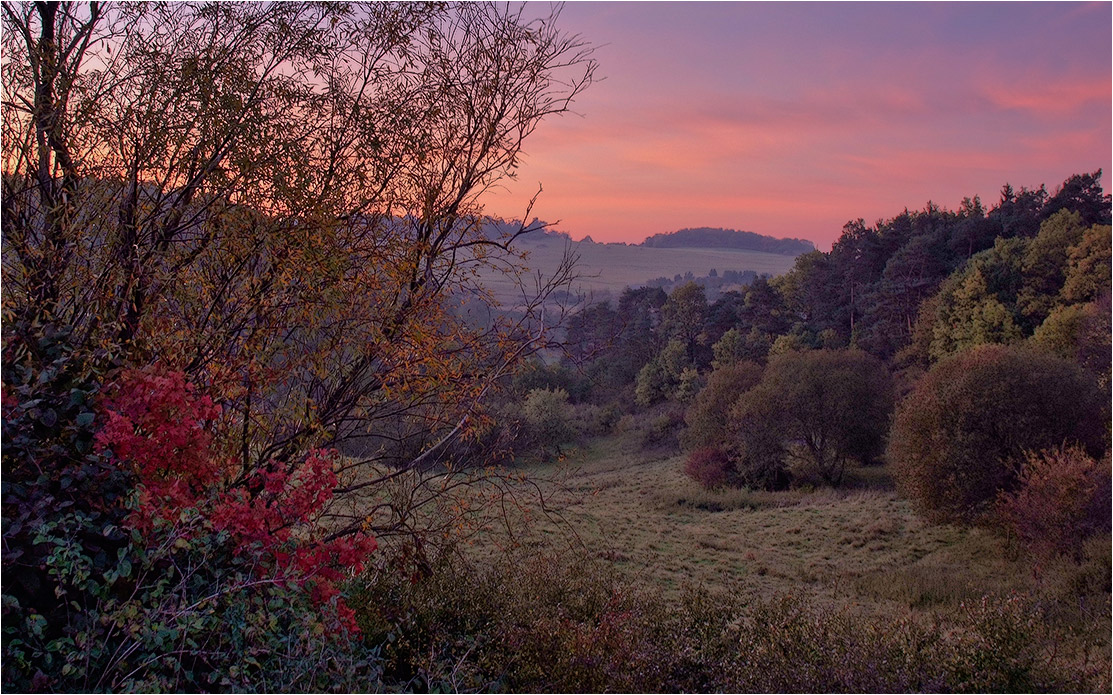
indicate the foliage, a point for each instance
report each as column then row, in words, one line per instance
column 175, row 608
column 682, row 318
column 192, row 580
column 1007, row 293
column 281, row 201
column 670, row 375
column 660, row 428
column 710, row 467
column 955, row 435
column 548, row 417
column 707, row 417
column 1062, row 497
column 1088, row 266
column 813, row 411
column 563, row 623
column 705, row 237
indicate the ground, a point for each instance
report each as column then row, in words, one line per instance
column 861, row 546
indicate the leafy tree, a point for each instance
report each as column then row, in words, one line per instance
column 972, row 316
column 708, row 417
column 823, row 408
column 682, row 317
column 765, row 308
column 1045, row 266
column 279, row 200
column 731, row 348
column 1088, row 265
column 662, row 376
column 591, row 331
column 548, row 415
column 639, row 309
column 957, row 436
column 1082, row 194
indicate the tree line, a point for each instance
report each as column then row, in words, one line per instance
column 959, row 346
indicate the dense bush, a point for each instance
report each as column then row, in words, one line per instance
column 567, row 623
column 548, row 419
column 1062, row 497
column 957, row 435
column 166, row 574
column 707, row 417
column 710, row 467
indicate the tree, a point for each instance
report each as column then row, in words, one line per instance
column 280, row 200
column 822, row 408
column 957, row 436
column 1082, row 194
column 1088, row 265
column 683, row 315
column 548, row 416
column 708, row 416
column 1045, row 264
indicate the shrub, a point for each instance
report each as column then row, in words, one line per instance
column 184, row 580
column 548, row 417
column 710, row 467
column 970, row 416
column 660, row 428
column 707, row 417
column 568, row 623
column 1062, row 497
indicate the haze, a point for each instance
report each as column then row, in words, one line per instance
column 792, row 119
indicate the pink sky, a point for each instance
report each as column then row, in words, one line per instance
column 792, row 119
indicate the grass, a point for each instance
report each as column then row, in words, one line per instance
column 797, row 588
column 861, row 546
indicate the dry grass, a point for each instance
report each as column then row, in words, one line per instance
column 862, row 546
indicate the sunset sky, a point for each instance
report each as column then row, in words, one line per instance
column 792, row 119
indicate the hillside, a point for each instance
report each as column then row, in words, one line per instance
column 604, row 270
column 716, row 238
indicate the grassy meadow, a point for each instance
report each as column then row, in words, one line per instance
column 862, row 547
column 629, row 566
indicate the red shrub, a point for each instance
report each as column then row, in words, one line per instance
column 710, row 467
column 156, row 423
column 1062, row 498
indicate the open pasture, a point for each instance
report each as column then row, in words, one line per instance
column 604, row 270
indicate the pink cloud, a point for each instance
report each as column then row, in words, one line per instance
column 1053, row 99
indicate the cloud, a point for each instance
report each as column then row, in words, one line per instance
column 1054, row 99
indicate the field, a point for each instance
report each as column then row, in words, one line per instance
column 861, row 547
column 605, row 269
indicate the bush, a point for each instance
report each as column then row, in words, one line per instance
column 710, row 467
column 1061, row 499
column 660, row 429
column 707, row 417
column 166, row 575
column 548, row 419
column 956, row 435
column 569, row 623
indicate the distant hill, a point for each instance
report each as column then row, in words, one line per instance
column 714, row 238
